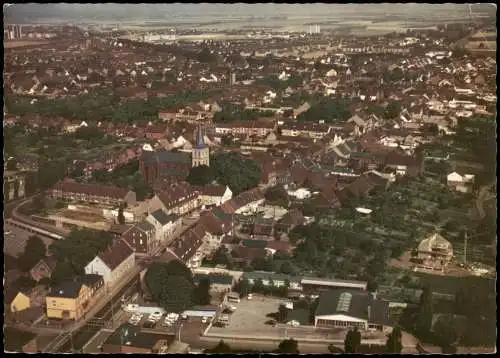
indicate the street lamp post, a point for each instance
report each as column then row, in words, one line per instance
column 180, row 328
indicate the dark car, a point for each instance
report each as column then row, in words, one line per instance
column 149, row 324
column 271, row 322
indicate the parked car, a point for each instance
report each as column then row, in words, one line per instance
column 156, row 316
column 134, row 321
column 168, row 322
column 173, row 316
column 249, row 297
column 293, row 323
column 132, row 307
column 204, row 320
column 149, row 324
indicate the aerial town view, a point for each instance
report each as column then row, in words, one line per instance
column 250, row 178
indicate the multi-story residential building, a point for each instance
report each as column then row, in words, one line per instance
column 164, row 224
column 259, row 128
column 311, row 130
column 179, row 199
column 210, row 195
column 142, row 238
column 71, row 190
column 13, row 185
column 71, row 299
column 113, row 263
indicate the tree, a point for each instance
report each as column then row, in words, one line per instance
column 243, row 287
column 24, row 282
column 121, row 217
column 288, row 346
column 461, row 302
column 287, row 268
column 394, row 342
column 221, row 347
column 171, row 285
column 282, row 313
column 38, row 203
column 11, row 164
column 425, row 312
column 278, row 195
column 236, row 172
column 34, row 251
column 393, row 110
column 227, row 140
column 63, row 271
column 78, row 249
column 200, row 175
column 445, row 331
column 352, row 341
column 201, row 294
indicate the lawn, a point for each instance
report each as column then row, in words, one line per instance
column 450, row 285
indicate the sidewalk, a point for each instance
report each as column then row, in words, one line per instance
column 279, row 338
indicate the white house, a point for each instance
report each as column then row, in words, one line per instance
column 214, row 194
column 460, row 183
column 164, row 224
column 113, row 263
column 300, row 193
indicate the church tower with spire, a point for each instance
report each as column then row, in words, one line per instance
column 201, row 152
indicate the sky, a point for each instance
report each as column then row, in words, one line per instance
column 204, row 11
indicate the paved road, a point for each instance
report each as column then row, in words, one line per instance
column 8, row 208
column 257, row 345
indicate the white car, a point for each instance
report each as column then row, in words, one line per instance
column 156, row 316
column 232, row 308
column 204, row 320
column 293, row 323
column 250, row 296
column 131, row 307
column 173, row 316
column 167, row 322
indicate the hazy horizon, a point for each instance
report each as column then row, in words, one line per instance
column 204, row 12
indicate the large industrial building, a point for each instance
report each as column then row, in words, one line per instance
column 349, row 308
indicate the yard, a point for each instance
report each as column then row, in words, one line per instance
column 356, row 245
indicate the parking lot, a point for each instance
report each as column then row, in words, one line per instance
column 250, row 317
column 249, row 321
column 15, row 241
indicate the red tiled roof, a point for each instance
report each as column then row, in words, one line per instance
column 185, row 247
column 211, row 190
column 176, row 194
column 90, row 189
column 116, row 254
column 248, row 253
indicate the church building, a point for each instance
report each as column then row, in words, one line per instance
column 167, row 164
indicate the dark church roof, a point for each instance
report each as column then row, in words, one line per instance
column 200, row 141
column 166, row 156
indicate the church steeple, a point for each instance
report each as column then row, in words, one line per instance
column 200, row 141
column 200, row 153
